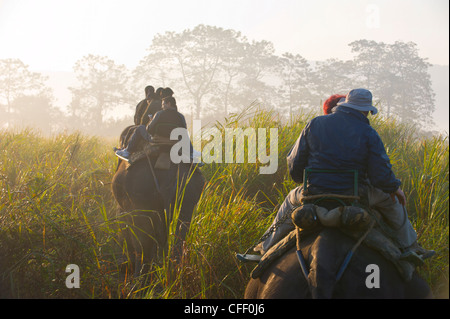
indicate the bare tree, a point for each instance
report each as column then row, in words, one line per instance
column 103, row 86
column 333, row 76
column 296, row 77
column 16, row 80
column 398, row 77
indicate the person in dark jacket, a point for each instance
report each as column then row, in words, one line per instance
column 169, row 115
column 344, row 140
column 161, row 124
column 154, row 105
column 142, row 105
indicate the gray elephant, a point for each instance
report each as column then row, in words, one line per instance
column 323, row 253
column 149, row 197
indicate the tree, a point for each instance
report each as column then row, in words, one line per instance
column 295, row 74
column 38, row 111
column 103, row 86
column 258, row 68
column 230, row 71
column 219, row 70
column 332, row 76
column 155, row 69
column 218, row 67
column 194, row 55
column 413, row 97
column 398, row 77
column 368, row 62
column 16, row 80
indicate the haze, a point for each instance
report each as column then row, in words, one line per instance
column 51, row 35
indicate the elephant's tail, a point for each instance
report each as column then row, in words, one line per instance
column 328, row 260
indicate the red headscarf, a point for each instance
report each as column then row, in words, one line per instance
column 331, row 102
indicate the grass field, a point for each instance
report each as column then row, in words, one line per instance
column 56, row 209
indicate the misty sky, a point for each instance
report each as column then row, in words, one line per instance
column 52, row 34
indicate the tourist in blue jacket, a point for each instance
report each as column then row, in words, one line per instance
column 344, row 140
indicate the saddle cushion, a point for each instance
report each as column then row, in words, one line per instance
column 375, row 239
column 158, row 147
column 378, row 241
column 274, row 253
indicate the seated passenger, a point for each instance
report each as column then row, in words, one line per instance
column 143, row 105
column 154, row 105
column 169, row 115
column 344, row 139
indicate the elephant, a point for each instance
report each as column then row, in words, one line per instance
column 368, row 274
column 148, row 196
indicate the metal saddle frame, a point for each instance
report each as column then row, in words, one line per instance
column 343, row 200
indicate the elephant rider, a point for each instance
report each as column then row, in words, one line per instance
column 143, row 105
column 344, row 140
column 330, row 104
column 168, row 115
column 155, row 104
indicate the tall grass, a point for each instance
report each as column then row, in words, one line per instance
column 54, row 194
column 422, row 164
column 56, row 208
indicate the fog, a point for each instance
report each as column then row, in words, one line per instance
column 74, row 65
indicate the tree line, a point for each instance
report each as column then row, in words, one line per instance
column 219, row 71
